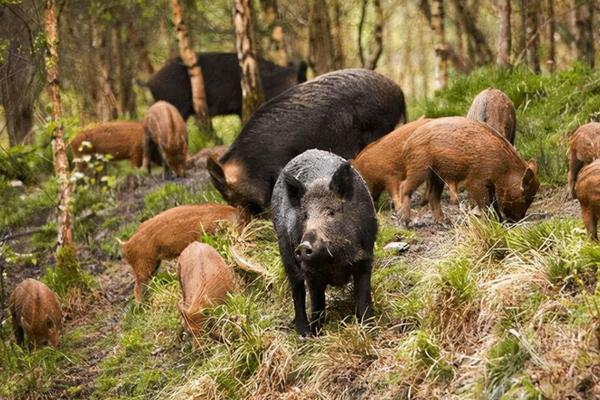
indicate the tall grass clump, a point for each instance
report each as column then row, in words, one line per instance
column 549, row 108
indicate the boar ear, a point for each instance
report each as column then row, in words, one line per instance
column 215, row 169
column 342, row 183
column 533, row 165
column 295, row 188
column 528, row 176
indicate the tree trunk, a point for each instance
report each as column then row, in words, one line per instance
column 440, row 45
column 531, row 9
column 371, row 60
column 61, row 163
column 189, row 58
column 321, row 53
column 550, row 30
column 336, row 33
column 477, row 44
column 523, row 31
column 583, row 27
column 276, row 47
column 251, row 87
column 504, row 34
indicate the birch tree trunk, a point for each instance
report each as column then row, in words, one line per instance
column 583, row 24
column 189, row 58
column 504, row 34
column 550, row 30
column 370, row 61
column 59, row 153
column 321, row 52
column 252, row 95
column 440, row 45
column 277, row 46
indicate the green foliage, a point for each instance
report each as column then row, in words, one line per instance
column 421, row 351
column 457, row 280
column 505, row 359
column 21, row 206
column 549, row 108
column 67, row 273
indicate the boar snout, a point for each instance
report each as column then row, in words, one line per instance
column 304, row 251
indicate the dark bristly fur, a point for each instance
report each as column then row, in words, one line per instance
column 341, row 112
column 320, row 202
column 221, row 73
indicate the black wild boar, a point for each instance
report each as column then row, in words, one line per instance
column 221, row 73
column 326, row 227
column 341, row 112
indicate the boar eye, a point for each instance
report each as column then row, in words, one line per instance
column 330, row 212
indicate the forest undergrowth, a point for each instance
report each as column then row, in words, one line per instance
column 475, row 309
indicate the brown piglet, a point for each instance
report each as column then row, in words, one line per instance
column 165, row 128
column 121, row 140
column 205, row 280
column 36, row 314
column 588, row 194
column 378, row 163
column 164, row 237
column 457, row 150
column 494, row 108
column 584, row 148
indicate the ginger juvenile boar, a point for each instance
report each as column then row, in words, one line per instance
column 379, row 163
column 584, row 148
column 36, row 314
column 494, row 108
column 164, row 237
column 165, row 128
column 205, row 280
column 588, row 194
column 122, row 140
column 457, row 150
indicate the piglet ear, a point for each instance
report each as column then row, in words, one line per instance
column 528, row 176
column 295, row 188
column 342, row 182
column 215, row 169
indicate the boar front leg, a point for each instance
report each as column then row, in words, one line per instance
column 317, row 300
column 18, row 330
column 590, row 221
column 299, row 297
column 362, row 291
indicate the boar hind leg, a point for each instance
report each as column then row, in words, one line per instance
column 436, row 185
column 453, row 189
column 575, row 166
column 591, row 222
column 317, row 302
column 18, row 330
column 362, row 292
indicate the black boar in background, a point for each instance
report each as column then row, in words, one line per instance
column 326, row 227
column 221, row 73
column 341, row 112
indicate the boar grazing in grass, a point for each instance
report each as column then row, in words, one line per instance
column 36, row 314
column 205, row 280
column 221, row 73
column 495, row 109
column 588, row 194
column 457, row 150
column 584, row 148
column 164, row 237
column 326, row 226
column 165, row 128
column 379, row 164
column 341, row 112
column 121, row 140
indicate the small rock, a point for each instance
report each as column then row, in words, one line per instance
column 397, row 246
column 16, row 183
